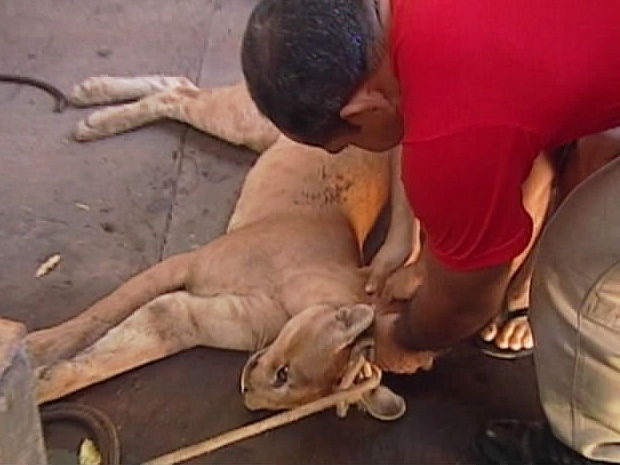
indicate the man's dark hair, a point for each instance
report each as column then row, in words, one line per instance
column 304, row 59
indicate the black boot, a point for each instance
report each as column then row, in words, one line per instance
column 513, row 442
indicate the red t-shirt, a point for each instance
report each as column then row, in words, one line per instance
column 485, row 86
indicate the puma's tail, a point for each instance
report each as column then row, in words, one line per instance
column 70, row 337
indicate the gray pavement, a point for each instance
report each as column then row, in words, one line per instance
column 161, row 190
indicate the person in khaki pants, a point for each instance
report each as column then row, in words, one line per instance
column 575, row 316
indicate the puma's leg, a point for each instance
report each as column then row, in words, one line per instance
column 228, row 113
column 224, row 112
column 98, row 90
column 68, row 338
column 170, row 324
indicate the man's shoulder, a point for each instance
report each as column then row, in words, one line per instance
column 472, row 141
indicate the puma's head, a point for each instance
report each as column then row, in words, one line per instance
column 307, row 360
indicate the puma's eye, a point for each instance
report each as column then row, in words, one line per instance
column 282, row 375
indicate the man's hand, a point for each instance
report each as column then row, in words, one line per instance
column 390, row 356
column 403, row 283
column 402, row 239
column 448, row 306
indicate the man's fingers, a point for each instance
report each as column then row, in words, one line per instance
column 375, row 281
column 371, row 285
column 401, row 285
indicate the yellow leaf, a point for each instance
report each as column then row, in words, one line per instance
column 89, row 455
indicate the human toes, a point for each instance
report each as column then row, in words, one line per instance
column 489, row 332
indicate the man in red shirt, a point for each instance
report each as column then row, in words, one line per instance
column 474, row 91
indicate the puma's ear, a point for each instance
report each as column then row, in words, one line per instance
column 352, row 322
column 384, row 404
column 364, row 100
column 381, row 402
column 249, row 366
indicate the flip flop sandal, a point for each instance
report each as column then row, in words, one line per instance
column 489, row 348
column 91, row 423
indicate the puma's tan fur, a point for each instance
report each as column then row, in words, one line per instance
column 288, row 272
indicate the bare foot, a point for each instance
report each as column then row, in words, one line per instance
column 514, row 334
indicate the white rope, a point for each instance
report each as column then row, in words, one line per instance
column 367, row 375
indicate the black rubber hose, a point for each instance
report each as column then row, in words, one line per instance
column 60, row 100
column 101, row 427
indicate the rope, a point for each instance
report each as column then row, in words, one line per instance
column 367, row 375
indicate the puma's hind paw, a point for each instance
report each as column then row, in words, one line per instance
column 85, row 132
column 88, row 92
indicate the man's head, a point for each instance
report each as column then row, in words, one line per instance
column 307, row 64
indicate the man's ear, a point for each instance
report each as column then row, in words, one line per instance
column 363, row 101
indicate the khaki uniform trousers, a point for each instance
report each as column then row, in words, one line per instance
column 575, row 316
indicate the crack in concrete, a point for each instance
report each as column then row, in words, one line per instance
column 175, row 186
column 216, row 6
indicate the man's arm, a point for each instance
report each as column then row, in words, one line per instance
column 466, row 188
column 448, row 307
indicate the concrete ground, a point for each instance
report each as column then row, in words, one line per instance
column 161, row 190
